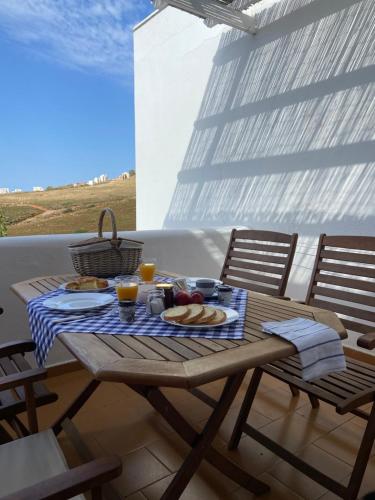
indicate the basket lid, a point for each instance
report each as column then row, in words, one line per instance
column 98, row 239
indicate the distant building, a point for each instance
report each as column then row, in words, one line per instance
column 124, row 176
column 4, row 190
column 98, row 180
column 17, row 190
column 38, row 188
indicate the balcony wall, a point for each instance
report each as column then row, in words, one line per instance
column 273, row 131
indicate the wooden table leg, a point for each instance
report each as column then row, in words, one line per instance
column 76, row 405
column 201, row 442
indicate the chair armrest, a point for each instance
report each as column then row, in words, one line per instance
column 72, row 482
column 15, row 347
column 367, row 341
column 22, row 378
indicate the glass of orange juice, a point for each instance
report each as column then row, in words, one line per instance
column 147, row 269
column 127, row 287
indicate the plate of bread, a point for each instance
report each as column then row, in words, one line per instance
column 88, row 284
column 199, row 316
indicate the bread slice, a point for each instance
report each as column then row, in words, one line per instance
column 219, row 318
column 176, row 313
column 87, row 283
column 208, row 315
column 196, row 311
column 101, row 283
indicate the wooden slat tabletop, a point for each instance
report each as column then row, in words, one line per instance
column 181, row 362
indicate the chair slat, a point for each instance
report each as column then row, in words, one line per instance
column 357, row 284
column 341, row 309
column 260, row 247
column 361, row 258
column 367, row 272
column 274, row 259
column 353, row 242
column 355, row 326
column 347, row 296
column 262, row 278
column 253, row 266
column 251, row 286
column 330, row 387
column 253, row 234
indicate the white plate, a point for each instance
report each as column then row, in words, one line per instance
column 232, row 316
column 81, row 302
column 111, row 284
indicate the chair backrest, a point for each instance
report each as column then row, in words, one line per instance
column 343, row 280
column 259, row 261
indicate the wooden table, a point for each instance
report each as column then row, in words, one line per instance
column 147, row 363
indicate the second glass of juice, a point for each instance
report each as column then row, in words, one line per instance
column 147, row 269
column 127, row 287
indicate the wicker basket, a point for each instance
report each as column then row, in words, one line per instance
column 106, row 257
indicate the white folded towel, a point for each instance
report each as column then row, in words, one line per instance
column 319, row 346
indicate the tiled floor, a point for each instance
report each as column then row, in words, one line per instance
column 116, row 420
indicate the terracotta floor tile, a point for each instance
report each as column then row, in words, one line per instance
column 252, row 456
column 122, row 438
column 278, row 491
column 303, row 485
column 325, row 415
column 276, row 403
column 256, row 419
column 170, row 451
column 188, row 405
column 343, row 442
column 136, row 496
column 269, row 383
column 207, row 484
column 294, row 432
column 140, row 468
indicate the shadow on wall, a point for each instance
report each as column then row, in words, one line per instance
column 285, row 136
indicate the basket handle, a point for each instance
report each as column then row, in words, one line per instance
column 113, row 222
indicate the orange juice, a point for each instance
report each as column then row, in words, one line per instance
column 127, row 291
column 147, row 271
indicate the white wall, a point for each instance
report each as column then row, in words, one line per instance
column 187, row 252
column 272, row 131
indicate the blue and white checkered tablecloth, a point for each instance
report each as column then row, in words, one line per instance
column 44, row 330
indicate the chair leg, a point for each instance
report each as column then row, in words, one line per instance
column 5, row 437
column 245, row 409
column 314, row 401
column 294, row 390
column 362, row 457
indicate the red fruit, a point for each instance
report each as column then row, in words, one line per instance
column 197, row 298
column 182, row 298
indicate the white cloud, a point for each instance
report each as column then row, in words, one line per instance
column 84, row 34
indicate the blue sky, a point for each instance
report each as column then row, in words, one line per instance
column 66, row 89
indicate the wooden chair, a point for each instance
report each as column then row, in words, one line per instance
column 259, row 261
column 34, row 467
column 14, row 367
column 343, row 281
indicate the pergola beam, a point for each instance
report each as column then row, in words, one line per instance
column 212, row 9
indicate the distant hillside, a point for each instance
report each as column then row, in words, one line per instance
column 69, row 209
